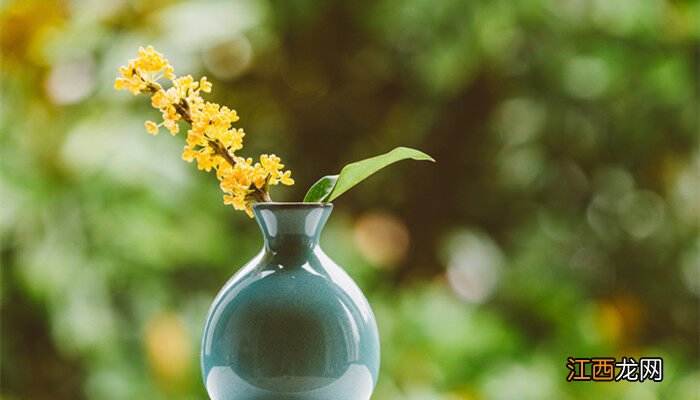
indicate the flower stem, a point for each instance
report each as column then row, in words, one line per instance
column 219, row 149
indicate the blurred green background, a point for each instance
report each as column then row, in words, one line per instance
column 560, row 220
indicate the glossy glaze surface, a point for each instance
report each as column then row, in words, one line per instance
column 291, row 324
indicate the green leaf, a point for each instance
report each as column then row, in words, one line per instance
column 320, row 191
column 330, row 187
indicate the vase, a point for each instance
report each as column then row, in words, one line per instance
column 291, row 324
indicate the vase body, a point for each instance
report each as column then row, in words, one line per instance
column 291, row 324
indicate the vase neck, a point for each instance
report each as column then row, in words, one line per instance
column 291, row 226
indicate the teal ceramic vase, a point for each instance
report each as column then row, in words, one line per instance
column 291, row 324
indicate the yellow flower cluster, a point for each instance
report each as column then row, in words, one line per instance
column 211, row 139
column 148, row 67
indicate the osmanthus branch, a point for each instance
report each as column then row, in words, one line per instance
column 183, row 109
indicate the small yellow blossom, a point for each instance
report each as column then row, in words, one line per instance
column 211, row 140
column 205, row 85
column 286, row 178
column 151, row 127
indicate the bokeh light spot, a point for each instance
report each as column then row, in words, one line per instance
column 473, row 265
column 70, row 81
column 229, row 59
column 641, row 213
column 586, row 77
column 382, row 238
column 168, row 347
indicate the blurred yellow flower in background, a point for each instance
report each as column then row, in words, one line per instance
column 169, row 350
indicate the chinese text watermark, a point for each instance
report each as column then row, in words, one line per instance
column 608, row 369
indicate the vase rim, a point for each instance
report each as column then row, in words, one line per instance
column 290, row 204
